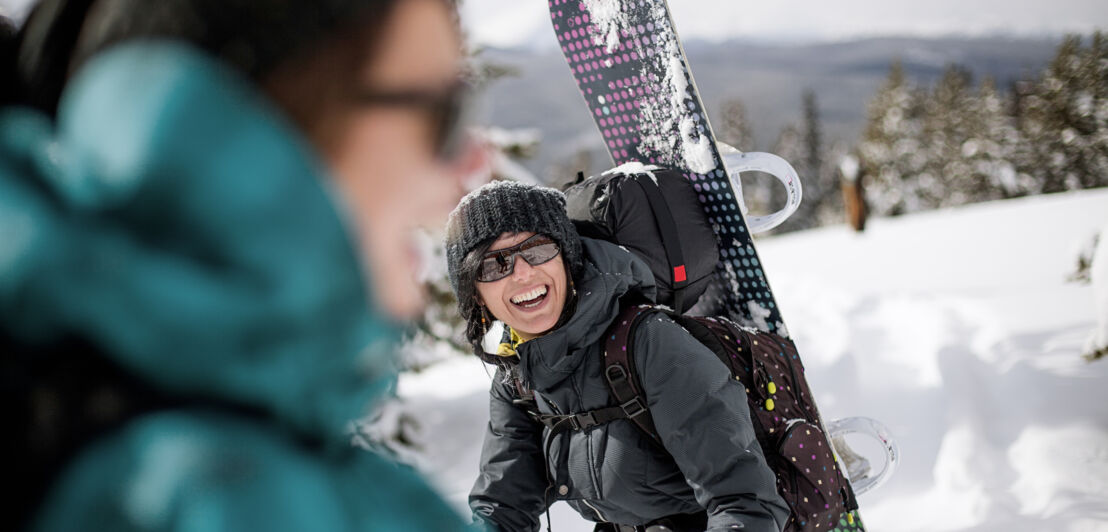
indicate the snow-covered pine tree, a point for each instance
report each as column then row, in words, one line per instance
column 790, row 146
column 1024, row 155
column 831, row 207
column 733, row 128
column 995, row 150
column 952, row 122
column 823, row 158
column 803, row 147
column 1065, row 118
column 813, row 141
column 891, row 147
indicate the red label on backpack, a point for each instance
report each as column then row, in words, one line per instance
column 679, row 274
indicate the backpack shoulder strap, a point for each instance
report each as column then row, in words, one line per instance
column 671, row 241
column 621, row 375
column 619, row 368
column 619, row 359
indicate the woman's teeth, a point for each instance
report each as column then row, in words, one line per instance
column 531, row 298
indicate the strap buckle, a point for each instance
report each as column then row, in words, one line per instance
column 615, row 373
column 582, row 421
column 633, row 408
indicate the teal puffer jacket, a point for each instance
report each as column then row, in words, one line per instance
column 614, row 472
column 175, row 221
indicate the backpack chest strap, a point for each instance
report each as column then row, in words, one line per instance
column 619, row 372
column 586, row 420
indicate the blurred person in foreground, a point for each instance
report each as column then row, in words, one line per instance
column 205, row 256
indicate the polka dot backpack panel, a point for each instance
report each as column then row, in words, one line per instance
column 781, row 407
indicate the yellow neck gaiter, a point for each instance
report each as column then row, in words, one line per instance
column 508, row 349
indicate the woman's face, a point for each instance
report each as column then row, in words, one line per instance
column 384, row 159
column 530, row 299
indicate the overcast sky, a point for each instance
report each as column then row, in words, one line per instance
column 516, row 22
column 525, row 22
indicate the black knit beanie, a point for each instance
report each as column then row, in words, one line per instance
column 505, row 207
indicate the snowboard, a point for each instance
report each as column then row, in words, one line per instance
column 631, row 69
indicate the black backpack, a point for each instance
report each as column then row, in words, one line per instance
column 783, row 412
column 646, row 212
column 654, row 213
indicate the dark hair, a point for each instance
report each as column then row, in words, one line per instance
column 42, row 53
column 257, row 38
column 470, row 309
column 8, row 46
column 313, row 88
column 8, row 30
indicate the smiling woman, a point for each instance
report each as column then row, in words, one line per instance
column 514, row 256
column 528, row 295
column 504, row 217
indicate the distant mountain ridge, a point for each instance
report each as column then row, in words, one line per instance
column 768, row 78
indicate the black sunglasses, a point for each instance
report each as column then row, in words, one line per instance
column 446, row 109
column 501, row 263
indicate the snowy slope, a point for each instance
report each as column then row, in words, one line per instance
column 955, row 328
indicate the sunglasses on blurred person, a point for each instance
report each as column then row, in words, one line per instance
column 446, row 109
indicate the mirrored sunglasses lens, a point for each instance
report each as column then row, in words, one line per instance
column 493, row 268
column 540, row 254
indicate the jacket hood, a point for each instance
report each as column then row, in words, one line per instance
column 610, row 273
column 174, row 219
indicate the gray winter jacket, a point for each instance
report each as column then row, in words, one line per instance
column 614, row 472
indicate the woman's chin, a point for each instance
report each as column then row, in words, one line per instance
column 396, row 285
column 402, row 306
column 535, row 328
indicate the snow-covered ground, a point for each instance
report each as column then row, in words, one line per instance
column 955, row 328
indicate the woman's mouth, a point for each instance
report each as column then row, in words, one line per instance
column 530, row 299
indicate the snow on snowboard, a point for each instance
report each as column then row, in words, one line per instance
column 631, row 69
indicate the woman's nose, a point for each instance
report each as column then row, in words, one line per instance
column 523, row 269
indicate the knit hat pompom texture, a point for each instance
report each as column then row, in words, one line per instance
column 506, row 207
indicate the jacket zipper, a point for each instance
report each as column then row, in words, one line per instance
column 557, row 410
column 593, row 508
column 548, row 439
